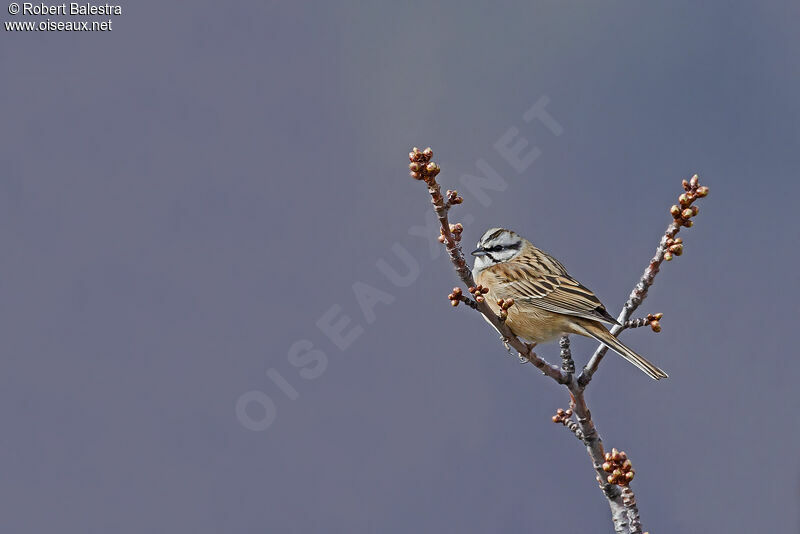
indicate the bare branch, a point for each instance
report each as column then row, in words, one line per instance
column 594, row 447
column 668, row 247
column 652, row 320
column 422, row 168
column 567, row 365
column 629, row 500
column 457, row 296
column 564, row 417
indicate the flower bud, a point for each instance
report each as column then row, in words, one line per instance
column 415, row 166
column 427, row 152
column 668, row 256
column 702, row 191
column 687, row 213
column 694, row 181
column 415, row 175
column 675, row 210
column 684, row 200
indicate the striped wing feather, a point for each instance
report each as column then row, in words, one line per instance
column 555, row 290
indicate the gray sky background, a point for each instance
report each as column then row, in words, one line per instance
column 184, row 197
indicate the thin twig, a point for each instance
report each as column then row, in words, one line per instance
column 594, row 447
column 428, row 171
column 652, row 320
column 567, row 365
column 629, row 500
column 636, row 297
column 564, row 417
column 668, row 247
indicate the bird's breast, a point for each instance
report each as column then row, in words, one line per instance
column 532, row 323
column 535, row 324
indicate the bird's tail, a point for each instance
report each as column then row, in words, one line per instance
column 599, row 332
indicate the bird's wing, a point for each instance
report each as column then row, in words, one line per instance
column 557, row 292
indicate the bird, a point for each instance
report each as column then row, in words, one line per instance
column 548, row 302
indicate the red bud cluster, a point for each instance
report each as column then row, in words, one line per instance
column 685, row 210
column 421, row 166
column 478, row 292
column 504, row 304
column 674, row 247
column 456, row 230
column 619, row 468
column 453, row 198
column 651, row 320
column 682, row 214
column 455, row 296
column 562, row 416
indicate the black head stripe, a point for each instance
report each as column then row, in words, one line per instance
column 494, row 260
column 495, row 234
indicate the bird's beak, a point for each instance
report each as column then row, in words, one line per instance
column 478, row 252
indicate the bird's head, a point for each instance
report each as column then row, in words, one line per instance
column 496, row 245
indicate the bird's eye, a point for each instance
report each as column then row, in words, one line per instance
column 496, row 248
